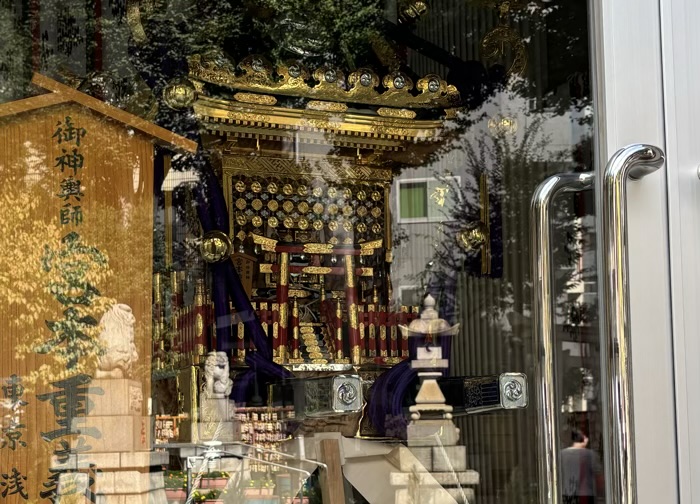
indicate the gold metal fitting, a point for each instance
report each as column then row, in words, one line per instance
column 474, row 236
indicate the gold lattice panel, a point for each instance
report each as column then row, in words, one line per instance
column 303, row 210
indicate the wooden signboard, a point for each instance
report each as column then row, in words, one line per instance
column 76, row 254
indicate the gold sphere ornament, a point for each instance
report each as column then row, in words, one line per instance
column 215, row 246
column 179, row 94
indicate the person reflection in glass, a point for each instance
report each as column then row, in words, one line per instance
column 582, row 477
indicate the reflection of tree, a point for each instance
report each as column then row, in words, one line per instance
column 58, row 283
column 514, row 165
column 31, row 243
column 72, row 269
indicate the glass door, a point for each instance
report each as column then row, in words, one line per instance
column 315, row 251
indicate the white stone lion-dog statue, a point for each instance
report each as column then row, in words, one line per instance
column 216, row 372
column 117, row 339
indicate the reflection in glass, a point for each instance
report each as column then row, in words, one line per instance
column 320, row 173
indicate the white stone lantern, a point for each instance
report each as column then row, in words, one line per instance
column 430, row 415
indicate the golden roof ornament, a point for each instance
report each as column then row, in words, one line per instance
column 362, row 86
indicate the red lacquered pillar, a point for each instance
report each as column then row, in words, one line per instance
column 283, row 302
column 351, row 303
column 382, row 332
column 200, row 323
column 338, row 330
column 392, row 320
column 295, row 329
column 403, row 320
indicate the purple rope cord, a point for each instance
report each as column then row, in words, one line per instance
column 388, row 392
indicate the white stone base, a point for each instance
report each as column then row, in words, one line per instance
column 449, row 458
column 432, row 433
column 464, row 478
column 424, row 495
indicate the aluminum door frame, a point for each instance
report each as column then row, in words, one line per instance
column 629, row 109
column 681, row 77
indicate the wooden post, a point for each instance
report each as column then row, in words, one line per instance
column 333, row 491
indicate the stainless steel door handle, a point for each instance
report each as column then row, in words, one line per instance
column 632, row 162
column 544, row 325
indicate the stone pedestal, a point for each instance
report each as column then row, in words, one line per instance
column 214, row 422
column 119, row 467
column 210, row 414
column 123, row 478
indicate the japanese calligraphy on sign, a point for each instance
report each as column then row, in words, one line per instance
column 13, row 483
column 71, row 404
column 70, row 162
column 13, row 404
